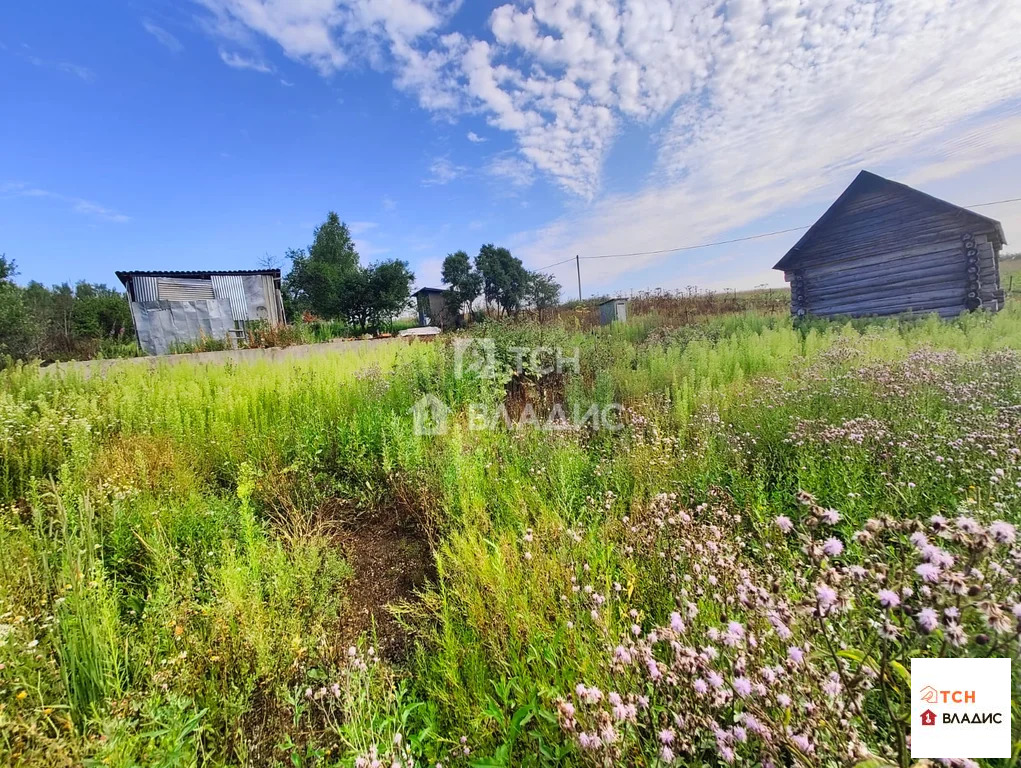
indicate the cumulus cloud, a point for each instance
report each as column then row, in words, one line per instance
column 749, row 105
column 474, row 138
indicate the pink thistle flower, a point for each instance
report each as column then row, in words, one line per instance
column 919, row 539
column 700, row 686
column 714, row 679
column 888, row 598
column 928, row 572
column 666, row 754
column 666, row 736
column 825, row 595
column 784, row 524
column 830, row 516
column 1016, row 610
column 783, row 700
column 742, row 686
column 1003, row 532
column 803, row 743
column 968, row 524
column 927, row 619
column 833, row 546
column 622, row 655
column 676, row 623
column 795, row 654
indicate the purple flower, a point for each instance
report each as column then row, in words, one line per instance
column 888, row 598
column 676, row 623
column 795, row 654
column 783, row 700
column 927, row 619
column 928, row 572
column 666, row 754
column 830, row 516
column 784, row 524
column 742, row 686
column 1016, row 610
column 833, row 546
column 715, row 680
column 1003, row 532
column 666, row 736
column 826, row 595
column 802, row 743
column 700, row 686
column 968, row 524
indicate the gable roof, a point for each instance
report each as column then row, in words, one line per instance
column 865, row 180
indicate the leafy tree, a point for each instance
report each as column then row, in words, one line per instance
column 543, row 292
column 328, row 280
column 504, row 278
column 389, row 290
column 316, row 280
column 465, row 283
column 18, row 332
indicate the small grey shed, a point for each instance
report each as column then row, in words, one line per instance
column 613, row 311
column 884, row 248
column 174, row 307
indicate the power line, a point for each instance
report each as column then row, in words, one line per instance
column 731, row 241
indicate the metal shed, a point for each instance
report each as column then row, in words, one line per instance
column 613, row 311
column 174, row 307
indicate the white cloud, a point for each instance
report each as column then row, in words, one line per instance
column 76, row 204
column 506, row 167
column 240, row 61
column 165, row 38
column 443, row 171
column 751, row 105
column 67, row 67
column 474, row 138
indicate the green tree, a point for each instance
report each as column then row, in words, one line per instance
column 19, row 333
column 316, row 280
column 389, row 290
column 504, row 278
column 543, row 292
column 464, row 281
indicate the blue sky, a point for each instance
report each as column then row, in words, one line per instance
column 211, row 133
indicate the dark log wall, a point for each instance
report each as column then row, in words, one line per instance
column 885, row 252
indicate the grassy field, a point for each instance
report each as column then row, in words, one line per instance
column 266, row 565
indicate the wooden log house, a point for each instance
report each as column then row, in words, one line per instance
column 884, row 248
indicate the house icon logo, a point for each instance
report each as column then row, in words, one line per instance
column 928, row 717
column 430, row 415
column 928, row 694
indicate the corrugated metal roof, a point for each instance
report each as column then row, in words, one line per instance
column 204, row 274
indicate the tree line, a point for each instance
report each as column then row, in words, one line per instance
column 500, row 279
column 61, row 323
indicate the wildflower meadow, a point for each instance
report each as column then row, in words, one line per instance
column 267, row 564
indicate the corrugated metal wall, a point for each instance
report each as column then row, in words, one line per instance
column 145, row 288
column 232, row 287
column 175, row 289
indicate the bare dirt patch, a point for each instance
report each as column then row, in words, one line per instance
column 391, row 560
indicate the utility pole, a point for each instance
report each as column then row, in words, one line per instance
column 577, row 263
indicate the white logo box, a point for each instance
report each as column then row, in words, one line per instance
column 968, row 702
